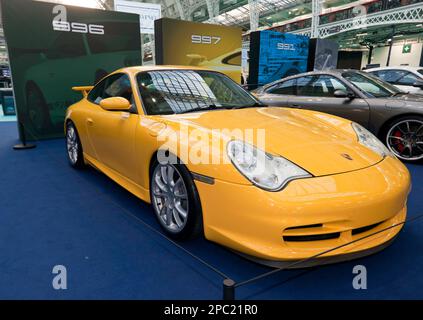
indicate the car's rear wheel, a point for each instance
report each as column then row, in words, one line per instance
column 74, row 146
column 404, row 138
column 175, row 200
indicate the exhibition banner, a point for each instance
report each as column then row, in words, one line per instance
column 53, row 47
column 148, row 12
column 323, row 55
column 275, row 55
column 211, row 46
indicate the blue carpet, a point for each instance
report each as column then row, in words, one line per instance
column 51, row 214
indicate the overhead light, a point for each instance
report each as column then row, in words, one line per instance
column 389, row 40
column 398, row 35
column 361, row 34
column 419, row 25
column 268, row 18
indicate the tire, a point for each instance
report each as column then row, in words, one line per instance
column 74, row 147
column 404, row 138
column 169, row 203
column 37, row 111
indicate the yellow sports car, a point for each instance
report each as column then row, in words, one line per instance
column 276, row 185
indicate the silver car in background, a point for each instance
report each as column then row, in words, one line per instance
column 407, row 79
column 394, row 116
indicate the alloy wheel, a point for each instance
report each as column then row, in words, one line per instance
column 405, row 139
column 72, row 144
column 170, row 198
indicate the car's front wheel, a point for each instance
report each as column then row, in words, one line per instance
column 176, row 201
column 404, row 138
column 74, row 146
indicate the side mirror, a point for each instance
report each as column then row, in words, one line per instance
column 115, row 104
column 343, row 94
column 418, row 84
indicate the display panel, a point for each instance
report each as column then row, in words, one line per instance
column 323, row 55
column 211, row 46
column 275, row 55
column 54, row 47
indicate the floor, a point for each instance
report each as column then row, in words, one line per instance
column 112, row 248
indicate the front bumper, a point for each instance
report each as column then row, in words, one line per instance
column 308, row 216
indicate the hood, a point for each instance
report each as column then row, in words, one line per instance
column 321, row 144
column 406, row 100
column 408, row 97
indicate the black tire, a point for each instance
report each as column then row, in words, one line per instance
column 404, row 134
column 37, row 111
column 75, row 156
column 193, row 226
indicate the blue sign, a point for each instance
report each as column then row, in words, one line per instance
column 281, row 55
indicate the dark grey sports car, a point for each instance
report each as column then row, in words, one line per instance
column 396, row 117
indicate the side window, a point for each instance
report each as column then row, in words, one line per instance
column 116, row 85
column 391, row 76
column 97, row 92
column 233, row 59
column 408, row 79
column 319, row 86
column 286, row 87
column 305, row 86
column 338, row 85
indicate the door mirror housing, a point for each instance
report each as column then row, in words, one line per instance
column 343, row 94
column 115, row 104
column 418, row 84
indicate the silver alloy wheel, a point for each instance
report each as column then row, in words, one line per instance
column 405, row 139
column 72, row 144
column 170, row 197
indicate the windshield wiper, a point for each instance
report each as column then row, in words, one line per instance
column 255, row 105
column 205, row 108
column 227, row 107
column 397, row 94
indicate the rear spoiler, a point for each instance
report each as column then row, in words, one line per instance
column 83, row 89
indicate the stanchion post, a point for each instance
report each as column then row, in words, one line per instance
column 23, row 145
column 228, row 289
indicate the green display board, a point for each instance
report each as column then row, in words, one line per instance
column 54, row 47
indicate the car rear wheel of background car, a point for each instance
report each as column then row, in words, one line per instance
column 405, row 138
column 175, row 200
column 74, row 146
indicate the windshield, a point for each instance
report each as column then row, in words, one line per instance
column 420, row 71
column 182, row 91
column 370, row 85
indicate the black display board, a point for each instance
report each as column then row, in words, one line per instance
column 350, row 59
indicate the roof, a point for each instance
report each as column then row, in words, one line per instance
column 336, row 72
column 407, row 68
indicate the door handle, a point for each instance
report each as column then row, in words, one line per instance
column 90, row 121
column 296, row 106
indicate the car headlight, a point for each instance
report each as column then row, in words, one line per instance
column 368, row 139
column 263, row 169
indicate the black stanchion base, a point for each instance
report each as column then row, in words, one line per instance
column 228, row 289
column 21, row 146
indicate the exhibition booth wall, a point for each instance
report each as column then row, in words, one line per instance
column 188, row 43
column 275, row 55
column 403, row 53
column 55, row 47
